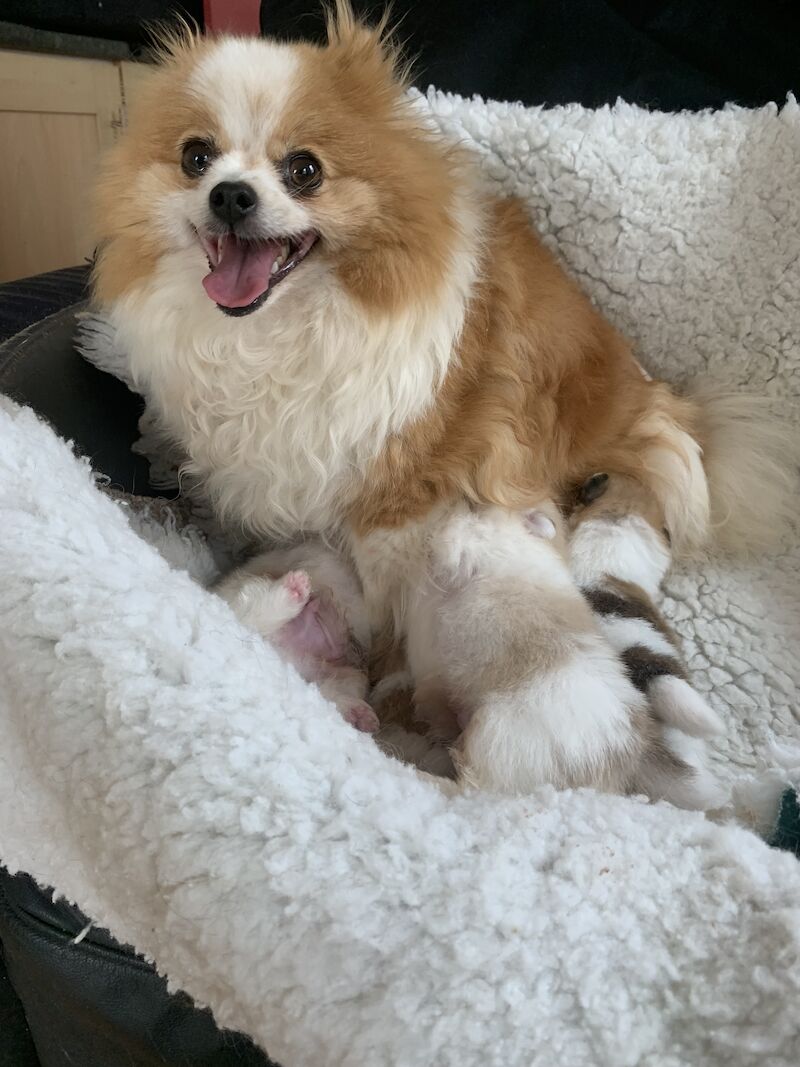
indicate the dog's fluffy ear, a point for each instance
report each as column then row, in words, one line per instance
column 173, row 38
column 368, row 52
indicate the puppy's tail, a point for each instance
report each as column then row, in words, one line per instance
column 675, row 770
column 751, row 458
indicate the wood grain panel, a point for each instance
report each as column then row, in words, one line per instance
column 63, row 84
column 47, row 167
column 134, row 75
column 57, row 114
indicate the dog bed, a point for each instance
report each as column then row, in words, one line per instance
column 165, row 771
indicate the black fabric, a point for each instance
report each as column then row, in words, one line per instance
column 96, row 1003
column 118, row 19
column 29, row 300
column 40, row 367
column 690, row 54
column 16, row 1044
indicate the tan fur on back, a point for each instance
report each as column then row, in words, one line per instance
column 542, row 393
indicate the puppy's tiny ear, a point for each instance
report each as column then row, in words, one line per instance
column 540, row 524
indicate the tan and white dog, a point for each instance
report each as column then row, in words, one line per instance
column 345, row 334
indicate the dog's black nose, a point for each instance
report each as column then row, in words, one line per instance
column 232, row 201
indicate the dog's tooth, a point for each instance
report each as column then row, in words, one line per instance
column 274, row 267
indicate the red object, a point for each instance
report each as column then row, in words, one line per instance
column 232, row 16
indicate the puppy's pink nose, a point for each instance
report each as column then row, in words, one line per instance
column 232, row 201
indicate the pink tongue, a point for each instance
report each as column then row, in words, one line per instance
column 242, row 272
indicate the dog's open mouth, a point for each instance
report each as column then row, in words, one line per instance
column 244, row 273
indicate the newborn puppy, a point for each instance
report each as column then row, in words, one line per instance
column 619, row 554
column 546, row 698
column 518, row 673
column 306, row 601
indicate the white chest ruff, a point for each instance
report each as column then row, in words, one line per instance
column 281, row 412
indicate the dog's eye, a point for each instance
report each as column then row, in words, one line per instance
column 197, row 157
column 302, row 172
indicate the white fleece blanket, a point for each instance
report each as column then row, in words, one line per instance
column 164, row 770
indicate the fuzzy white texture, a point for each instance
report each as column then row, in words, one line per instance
column 167, row 772
column 164, row 769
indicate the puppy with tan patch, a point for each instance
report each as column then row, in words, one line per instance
column 522, row 682
column 346, row 334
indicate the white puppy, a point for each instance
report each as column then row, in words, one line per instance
column 306, row 601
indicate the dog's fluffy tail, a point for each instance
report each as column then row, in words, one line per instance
column 751, row 458
column 723, row 467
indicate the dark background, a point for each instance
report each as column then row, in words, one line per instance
column 114, row 19
column 667, row 56
column 663, row 55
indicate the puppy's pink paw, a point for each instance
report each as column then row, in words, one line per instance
column 298, row 586
column 359, row 714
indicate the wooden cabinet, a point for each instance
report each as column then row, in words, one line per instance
column 57, row 115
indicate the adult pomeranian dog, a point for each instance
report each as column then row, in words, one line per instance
column 345, row 334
